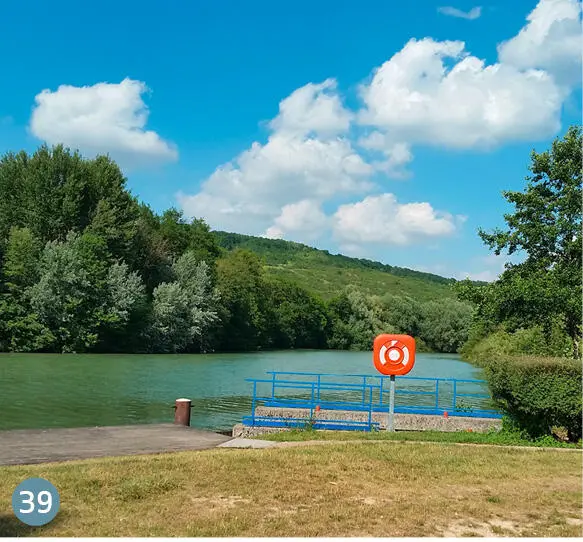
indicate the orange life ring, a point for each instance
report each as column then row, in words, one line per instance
column 394, row 354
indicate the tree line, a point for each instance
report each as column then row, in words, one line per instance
column 86, row 267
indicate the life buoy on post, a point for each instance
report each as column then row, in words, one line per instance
column 394, row 354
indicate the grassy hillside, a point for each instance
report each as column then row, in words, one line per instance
column 326, row 274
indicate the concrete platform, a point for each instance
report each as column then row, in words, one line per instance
column 403, row 422
column 28, row 446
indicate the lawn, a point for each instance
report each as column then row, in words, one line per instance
column 337, row 489
column 498, row 438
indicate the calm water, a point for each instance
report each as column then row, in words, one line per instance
column 46, row 390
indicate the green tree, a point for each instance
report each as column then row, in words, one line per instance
column 403, row 313
column 545, row 228
column 21, row 260
column 241, row 283
column 195, row 278
column 20, row 328
column 171, row 329
column 297, row 318
column 69, row 294
column 150, row 255
column 179, row 236
column 185, row 310
column 124, row 310
column 356, row 320
column 444, row 324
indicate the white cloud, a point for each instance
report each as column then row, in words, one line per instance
column 248, row 194
column 474, row 13
column 383, row 220
column 304, row 220
column 396, row 154
column 429, row 93
column 551, row 40
column 416, row 97
column 313, row 108
column 99, row 119
column 487, row 275
column 489, row 267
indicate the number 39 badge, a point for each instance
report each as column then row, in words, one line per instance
column 35, row 501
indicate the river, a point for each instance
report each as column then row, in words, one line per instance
column 81, row 390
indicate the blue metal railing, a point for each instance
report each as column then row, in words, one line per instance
column 367, row 394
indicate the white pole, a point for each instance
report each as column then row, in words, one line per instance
column 391, row 424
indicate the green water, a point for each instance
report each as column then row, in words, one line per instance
column 50, row 390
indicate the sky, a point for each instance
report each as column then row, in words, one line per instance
column 384, row 130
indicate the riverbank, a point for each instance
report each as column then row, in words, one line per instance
column 341, row 489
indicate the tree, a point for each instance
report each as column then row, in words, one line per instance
column 241, row 283
column 356, row 320
column 403, row 313
column 20, row 328
column 183, row 311
column 171, row 329
column 545, row 228
column 179, row 236
column 444, row 324
column 68, row 296
column 194, row 277
column 297, row 319
column 21, row 260
column 124, row 310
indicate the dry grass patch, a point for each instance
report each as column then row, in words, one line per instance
column 349, row 489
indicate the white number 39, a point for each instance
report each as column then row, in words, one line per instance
column 44, row 499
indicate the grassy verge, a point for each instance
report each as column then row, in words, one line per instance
column 501, row 438
column 347, row 489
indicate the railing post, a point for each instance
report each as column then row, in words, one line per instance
column 391, row 420
column 312, row 402
column 363, row 388
column 436, row 394
column 273, row 386
column 454, row 402
column 381, row 392
column 253, row 403
column 319, row 387
column 370, row 410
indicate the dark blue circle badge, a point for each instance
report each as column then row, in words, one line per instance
column 35, row 501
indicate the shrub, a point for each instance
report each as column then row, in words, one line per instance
column 533, row 341
column 538, row 393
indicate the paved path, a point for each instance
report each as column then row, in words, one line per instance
column 27, row 446
column 248, row 443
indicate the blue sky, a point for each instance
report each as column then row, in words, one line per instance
column 320, row 122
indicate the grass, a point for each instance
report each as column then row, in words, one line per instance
column 346, row 489
column 327, row 282
column 327, row 274
column 500, row 438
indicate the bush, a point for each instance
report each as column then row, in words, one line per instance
column 533, row 341
column 539, row 394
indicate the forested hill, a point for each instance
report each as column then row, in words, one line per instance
column 326, row 274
